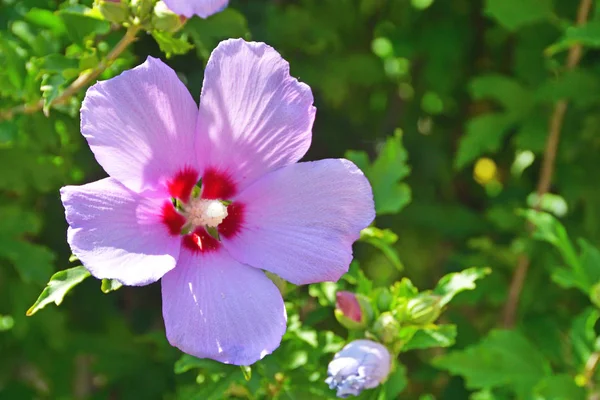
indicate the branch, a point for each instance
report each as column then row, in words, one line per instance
column 82, row 81
column 546, row 172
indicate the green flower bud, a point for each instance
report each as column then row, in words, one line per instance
column 115, row 11
column 423, row 309
column 386, row 328
column 384, row 299
column 141, row 9
column 163, row 19
column 353, row 311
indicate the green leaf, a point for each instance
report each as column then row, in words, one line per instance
column 59, row 285
column 187, row 362
column 503, row 358
column 418, row 337
column 396, row 382
column 55, row 64
column 484, row 134
column 216, row 391
column 582, row 335
column 46, row 19
column 385, row 172
column 207, row 33
column 579, row 86
column 514, row 14
column 81, row 23
column 403, row 290
column 52, row 86
column 549, row 229
column 587, row 35
column 110, row 285
column 452, row 284
column 171, row 45
column 33, row 262
column 485, row 394
column 559, row 387
column 383, row 239
column 507, row 91
column 589, row 258
column 247, row 371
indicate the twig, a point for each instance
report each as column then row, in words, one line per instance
column 546, row 172
column 82, row 81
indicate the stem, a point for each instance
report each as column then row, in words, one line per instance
column 546, row 172
column 82, row 81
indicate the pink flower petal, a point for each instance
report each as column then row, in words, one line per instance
column 215, row 307
column 300, row 221
column 117, row 234
column 254, row 117
column 140, row 125
column 201, row 8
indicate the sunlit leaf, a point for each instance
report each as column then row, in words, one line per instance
column 452, row 284
column 110, row 285
column 59, row 285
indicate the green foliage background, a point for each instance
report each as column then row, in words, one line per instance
column 447, row 107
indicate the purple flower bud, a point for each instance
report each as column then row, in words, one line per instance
column 353, row 311
column 348, row 304
column 361, row 364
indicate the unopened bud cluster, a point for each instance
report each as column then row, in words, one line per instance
column 364, row 364
column 149, row 14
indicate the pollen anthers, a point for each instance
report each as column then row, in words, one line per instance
column 201, row 212
column 197, row 210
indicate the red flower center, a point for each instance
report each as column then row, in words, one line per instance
column 215, row 186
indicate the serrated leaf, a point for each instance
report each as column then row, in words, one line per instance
column 383, row 239
column 452, row 284
column 514, row 14
column 385, row 174
column 503, row 358
column 171, row 45
column 419, row 337
column 59, row 285
column 110, row 285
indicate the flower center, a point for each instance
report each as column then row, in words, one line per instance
column 202, row 212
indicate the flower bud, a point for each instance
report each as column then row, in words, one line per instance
column 386, row 327
column 384, row 299
column 361, row 364
column 141, row 9
column 353, row 311
column 115, row 11
column 163, row 19
column 423, row 309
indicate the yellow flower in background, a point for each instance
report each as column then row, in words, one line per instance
column 485, row 171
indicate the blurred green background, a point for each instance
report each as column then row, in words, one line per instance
column 447, row 105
